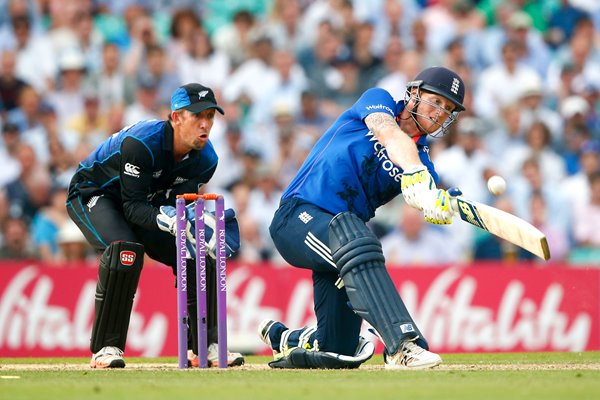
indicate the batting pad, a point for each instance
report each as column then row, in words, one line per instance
column 358, row 256
column 118, row 276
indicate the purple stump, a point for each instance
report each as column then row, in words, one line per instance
column 201, row 285
column 221, row 280
column 182, row 314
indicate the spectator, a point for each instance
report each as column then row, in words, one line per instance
column 204, row 63
column 89, row 40
column 19, row 191
column 109, row 81
column 236, row 39
column 491, row 93
column 408, row 64
column 283, row 26
column 251, row 241
column 420, row 44
column 561, row 23
column 317, row 61
column 11, row 140
column 47, row 223
column 557, row 237
column 531, row 103
column 72, row 245
column 16, row 244
column 67, row 98
column 407, row 244
column 91, row 125
column 146, row 105
column 393, row 20
column 10, row 84
column 185, row 24
column 531, row 180
column 533, row 51
column 143, row 35
column 263, row 201
column 311, row 120
column 581, row 56
column 491, row 248
column 538, row 146
column 574, row 110
column 156, row 69
column 4, row 212
column 587, row 217
column 245, row 85
column 577, row 187
column 230, row 167
column 30, row 49
column 465, row 163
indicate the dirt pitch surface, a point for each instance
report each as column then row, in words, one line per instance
column 258, row 367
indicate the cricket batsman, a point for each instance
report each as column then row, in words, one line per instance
column 374, row 151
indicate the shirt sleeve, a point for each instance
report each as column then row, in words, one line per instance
column 374, row 100
column 136, row 183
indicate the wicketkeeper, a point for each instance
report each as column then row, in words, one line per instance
column 122, row 197
column 374, row 151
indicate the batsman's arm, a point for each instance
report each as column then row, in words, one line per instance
column 400, row 147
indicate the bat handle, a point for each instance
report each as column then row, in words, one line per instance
column 454, row 192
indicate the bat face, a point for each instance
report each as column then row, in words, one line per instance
column 503, row 225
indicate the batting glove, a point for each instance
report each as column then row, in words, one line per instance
column 439, row 211
column 417, row 184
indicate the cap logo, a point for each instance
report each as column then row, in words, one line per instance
column 202, row 94
column 455, row 86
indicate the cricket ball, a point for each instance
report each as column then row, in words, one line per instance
column 496, row 185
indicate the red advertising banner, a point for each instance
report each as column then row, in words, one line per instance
column 48, row 311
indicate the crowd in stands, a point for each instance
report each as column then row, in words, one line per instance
column 73, row 72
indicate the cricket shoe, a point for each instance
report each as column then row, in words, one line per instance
column 233, row 359
column 267, row 330
column 108, row 357
column 412, row 356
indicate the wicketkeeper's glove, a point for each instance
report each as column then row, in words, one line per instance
column 232, row 232
column 167, row 220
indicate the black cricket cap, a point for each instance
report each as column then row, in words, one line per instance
column 195, row 98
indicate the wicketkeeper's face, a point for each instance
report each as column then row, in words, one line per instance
column 194, row 129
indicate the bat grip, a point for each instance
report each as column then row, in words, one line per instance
column 454, row 192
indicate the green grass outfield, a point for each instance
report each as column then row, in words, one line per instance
column 461, row 376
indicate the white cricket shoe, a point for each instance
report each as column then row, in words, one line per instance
column 108, row 357
column 412, row 356
column 233, row 359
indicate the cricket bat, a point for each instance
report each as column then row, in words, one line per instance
column 502, row 224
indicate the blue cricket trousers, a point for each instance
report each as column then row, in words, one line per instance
column 300, row 232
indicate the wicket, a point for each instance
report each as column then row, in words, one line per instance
column 221, row 285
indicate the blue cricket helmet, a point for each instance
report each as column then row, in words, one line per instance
column 442, row 81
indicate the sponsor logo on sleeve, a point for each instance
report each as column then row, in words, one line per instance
column 380, row 107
